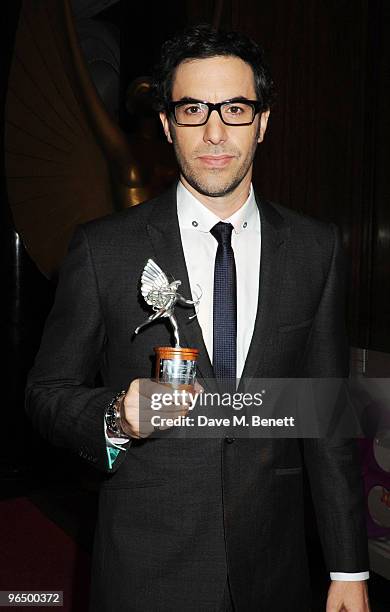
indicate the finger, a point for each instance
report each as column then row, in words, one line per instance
column 163, row 392
column 168, row 403
column 198, row 387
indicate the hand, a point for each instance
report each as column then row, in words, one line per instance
column 348, row 596
column 137, row 410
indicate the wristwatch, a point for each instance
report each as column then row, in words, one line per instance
column 112, row 416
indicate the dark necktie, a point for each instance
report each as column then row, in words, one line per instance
column 225, row 305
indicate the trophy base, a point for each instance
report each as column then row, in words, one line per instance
column 176, row 365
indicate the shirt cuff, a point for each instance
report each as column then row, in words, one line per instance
column 348, row 576
column 113, row 446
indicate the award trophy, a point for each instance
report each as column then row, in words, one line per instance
column 175, row 365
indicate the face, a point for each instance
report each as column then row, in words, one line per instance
column 215, row 158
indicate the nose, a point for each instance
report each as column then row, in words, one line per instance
column 215, row 129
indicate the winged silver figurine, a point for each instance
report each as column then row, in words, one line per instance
column 162, row 296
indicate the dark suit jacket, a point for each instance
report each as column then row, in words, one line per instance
column 177, row 515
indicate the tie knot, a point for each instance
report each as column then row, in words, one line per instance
column 222, row 232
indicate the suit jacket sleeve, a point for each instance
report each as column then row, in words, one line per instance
column 333, row 463
column 61, row 398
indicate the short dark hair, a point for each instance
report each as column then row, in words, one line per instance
column 204, row 41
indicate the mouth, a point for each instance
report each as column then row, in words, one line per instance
column 215, row 161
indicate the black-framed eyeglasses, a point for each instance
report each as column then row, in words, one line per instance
column 190, row 112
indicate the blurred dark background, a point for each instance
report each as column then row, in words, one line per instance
column 326, row 154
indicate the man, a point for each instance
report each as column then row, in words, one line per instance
column 212, row 524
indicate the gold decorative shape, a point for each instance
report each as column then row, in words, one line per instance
column 66, row 160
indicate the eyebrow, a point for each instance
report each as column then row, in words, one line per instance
column 185, row 99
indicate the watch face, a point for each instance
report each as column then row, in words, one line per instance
column 111, row 420
column 111, row 416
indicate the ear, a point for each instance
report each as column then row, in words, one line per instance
column 263, row 125
column 165, row 123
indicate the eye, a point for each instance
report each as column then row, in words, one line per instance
column 235, row 110
column 193, row 109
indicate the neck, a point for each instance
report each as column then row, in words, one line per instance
column 223, row 206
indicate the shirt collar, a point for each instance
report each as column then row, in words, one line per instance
column 192, row 214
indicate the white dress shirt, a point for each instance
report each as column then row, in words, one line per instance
column 200, row 247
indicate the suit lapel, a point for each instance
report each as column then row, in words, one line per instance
column 164, row 234
column 274, row 233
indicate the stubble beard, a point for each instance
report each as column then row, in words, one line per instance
column 212, row 182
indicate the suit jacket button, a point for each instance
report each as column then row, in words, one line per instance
column 229, row 440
